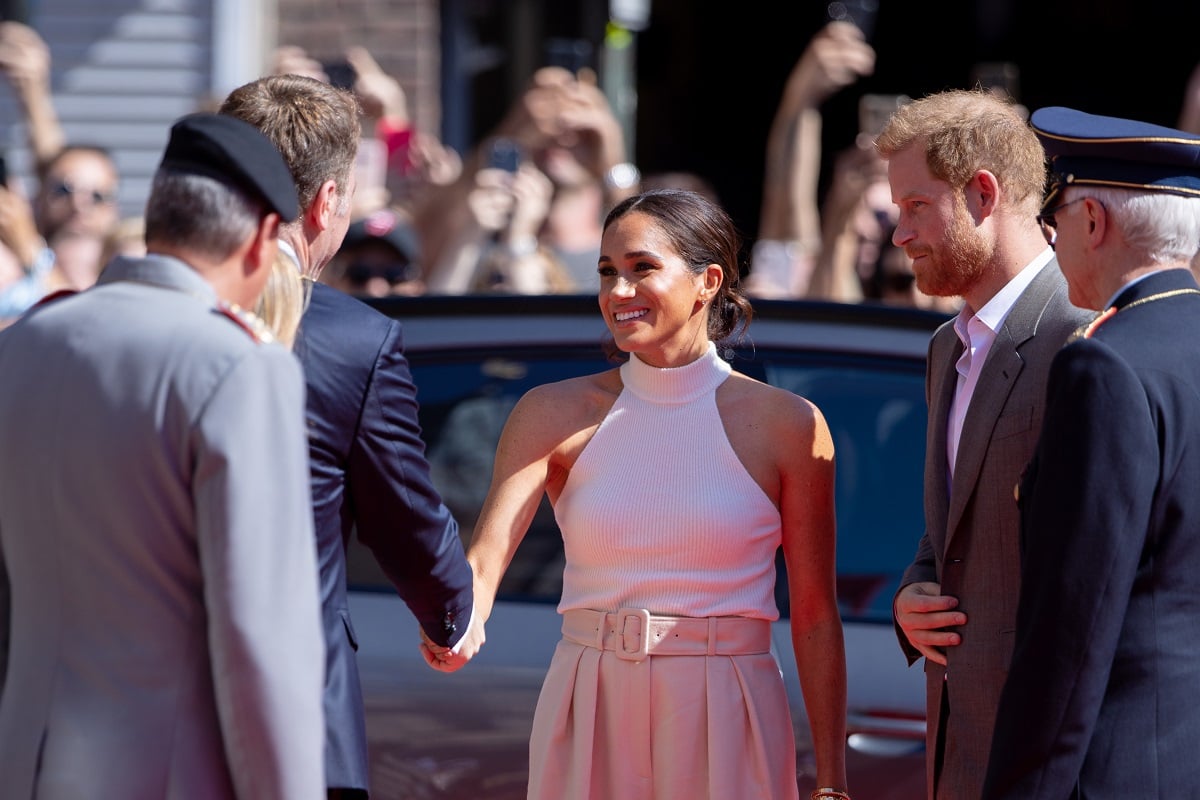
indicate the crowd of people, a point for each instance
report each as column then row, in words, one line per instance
column 519, row 213
column 179, row 627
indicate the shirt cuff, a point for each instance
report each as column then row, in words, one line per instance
column 470, row 622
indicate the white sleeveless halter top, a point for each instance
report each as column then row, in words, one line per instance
column 658, row 511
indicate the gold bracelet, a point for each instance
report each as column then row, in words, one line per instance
column 829, row 793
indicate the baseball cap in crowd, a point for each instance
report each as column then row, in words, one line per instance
column 381, row 245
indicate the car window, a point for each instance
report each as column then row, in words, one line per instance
column 875, row 409
column 463, row 411
column 876, row 413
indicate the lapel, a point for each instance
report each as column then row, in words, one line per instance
column 943, row 377
column 996, row 380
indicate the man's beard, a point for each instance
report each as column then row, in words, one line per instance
column 955, row 267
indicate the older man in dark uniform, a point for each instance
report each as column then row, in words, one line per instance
column 1101, row 697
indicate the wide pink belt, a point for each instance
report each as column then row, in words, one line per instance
column 634, row 633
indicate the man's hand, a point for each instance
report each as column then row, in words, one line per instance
column 534, row 120
column 589, row 128
column 445, row 659
column 923, row 613
column 490, row 201
column 836, row 57
column 380, row 94
column 18, row 231
column 24, row 58
column 293, row 60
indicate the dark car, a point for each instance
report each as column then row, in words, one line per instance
column 464, row 735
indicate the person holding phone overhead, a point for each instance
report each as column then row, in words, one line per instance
column 674, row 480
column 566, row 131
column 498, row 248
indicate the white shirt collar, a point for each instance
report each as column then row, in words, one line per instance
column 286, row 248
column 996, row 310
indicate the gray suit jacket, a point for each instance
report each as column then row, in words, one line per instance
column 156, row 530
column 970, row 544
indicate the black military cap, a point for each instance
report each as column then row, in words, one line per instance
column 228, row 149
column 1091, row 150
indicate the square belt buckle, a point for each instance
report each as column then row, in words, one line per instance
column 626, row 619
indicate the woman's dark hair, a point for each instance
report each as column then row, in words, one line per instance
column 701, row 233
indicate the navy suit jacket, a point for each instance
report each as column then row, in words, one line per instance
column 1100, row 700
column 369, row 475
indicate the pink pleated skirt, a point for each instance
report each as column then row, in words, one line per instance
column 618, row 724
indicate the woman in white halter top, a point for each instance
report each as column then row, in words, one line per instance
column 674, row 479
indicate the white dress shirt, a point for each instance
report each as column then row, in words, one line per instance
column 977, row 331
column 286, row 248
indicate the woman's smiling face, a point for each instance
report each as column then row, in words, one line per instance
column 650, row 299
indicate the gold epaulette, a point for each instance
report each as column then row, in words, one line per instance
column 248, row 321
column 1085, row 331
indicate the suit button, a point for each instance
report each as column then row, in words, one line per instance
column 448, row 623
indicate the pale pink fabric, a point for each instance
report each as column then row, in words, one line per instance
column 667, row 728
column 659, row 513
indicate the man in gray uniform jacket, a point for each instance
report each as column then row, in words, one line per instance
column 155, row 529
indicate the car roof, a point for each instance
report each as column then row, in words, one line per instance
column 434, row 322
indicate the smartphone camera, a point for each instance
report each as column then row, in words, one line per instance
column 860, row 13
column 341, row 74
column 874, row 111
column 504, row 154
column 999, row 77
column 14, row 11
column 570, row 54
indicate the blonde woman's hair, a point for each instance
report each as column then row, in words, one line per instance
column 284, row 299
